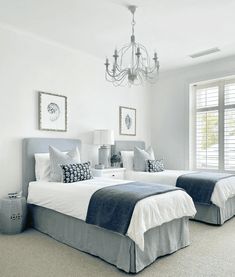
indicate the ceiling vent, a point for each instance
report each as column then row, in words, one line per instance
column 205, row 52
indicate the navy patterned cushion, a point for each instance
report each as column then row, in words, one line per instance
column 76, row 172
column 155, row 165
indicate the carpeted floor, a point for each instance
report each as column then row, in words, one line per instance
column 32, row 254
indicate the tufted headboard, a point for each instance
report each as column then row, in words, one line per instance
column 40, row 145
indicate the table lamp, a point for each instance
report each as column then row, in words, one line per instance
column 104, row 138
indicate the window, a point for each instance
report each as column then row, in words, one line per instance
column 213, row 126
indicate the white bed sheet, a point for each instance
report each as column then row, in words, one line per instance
column 73, row 200
column 224, row 189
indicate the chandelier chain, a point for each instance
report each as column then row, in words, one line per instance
column 133, row 23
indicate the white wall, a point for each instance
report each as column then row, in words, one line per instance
column 29, row 64
column 170, row 109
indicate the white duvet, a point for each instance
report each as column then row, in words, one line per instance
column 73, row 200
column 224, row 189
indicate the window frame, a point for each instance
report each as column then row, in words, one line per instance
column 220, row 83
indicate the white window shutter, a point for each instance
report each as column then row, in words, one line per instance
column 207, row 128
column 213, row 125
column 229, row 127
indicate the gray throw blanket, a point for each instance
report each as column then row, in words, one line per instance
column 112, row 207
column 200, row 185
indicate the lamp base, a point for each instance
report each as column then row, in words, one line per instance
column 105, row 155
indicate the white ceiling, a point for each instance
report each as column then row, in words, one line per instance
column 174, row 28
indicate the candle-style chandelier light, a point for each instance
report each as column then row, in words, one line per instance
column 131, row 64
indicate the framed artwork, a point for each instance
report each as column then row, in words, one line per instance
column 52, row 112
column 127, row 121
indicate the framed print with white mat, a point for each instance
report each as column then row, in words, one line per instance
column 127, row 121
column 52, row 112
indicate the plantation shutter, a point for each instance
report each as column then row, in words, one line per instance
column 229, row 126
column 207, row 127
column 212, row 128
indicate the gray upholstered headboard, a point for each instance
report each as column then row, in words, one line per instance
column 40, row 145
column 127, row 145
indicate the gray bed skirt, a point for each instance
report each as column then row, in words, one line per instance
column 215, row 215
column 112, row 247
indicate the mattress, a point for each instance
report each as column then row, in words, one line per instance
column 224, row 189
column 73, row 200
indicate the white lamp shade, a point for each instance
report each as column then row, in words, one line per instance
column 103, row 137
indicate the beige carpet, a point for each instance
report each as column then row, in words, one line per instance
column 31, row 254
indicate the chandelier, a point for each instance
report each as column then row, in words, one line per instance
column 135, row 69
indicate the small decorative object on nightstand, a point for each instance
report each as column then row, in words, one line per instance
column 115, row 160
column 112, row 172
column 13, row 212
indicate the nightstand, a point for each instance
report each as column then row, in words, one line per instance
column 13, row 212
column 112, row 172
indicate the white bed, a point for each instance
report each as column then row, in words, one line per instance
column 223, row 196
column 159, row 224
column 73, row 200
column 224, row 189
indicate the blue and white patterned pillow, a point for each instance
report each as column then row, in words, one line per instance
column 154, row 166
column 76, row 172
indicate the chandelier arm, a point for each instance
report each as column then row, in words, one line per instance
column 123, row 51
column 110, row 73
column 120, row 54
column 143, row 65
column 121, row 80
column 140, row 78
column 146, row 74
column 123, row 47
column 152, row 78
column 142, row 47
column 151, row 70
column 137, row 67
column 123, row 76
column 143, row 62
column 121, row 83
column 120, row 74
column 118, row 77
column 111, row 79
column 117, row 68
column 108, row 78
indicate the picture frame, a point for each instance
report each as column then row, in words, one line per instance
column 52, row 112
column 127, row 121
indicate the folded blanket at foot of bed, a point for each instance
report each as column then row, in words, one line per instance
column 200, row 185
column 112, row 207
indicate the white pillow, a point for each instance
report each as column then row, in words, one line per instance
column 42, row 166
column 128, row 159
column 141, row 156
column 58, row 158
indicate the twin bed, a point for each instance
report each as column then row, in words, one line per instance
column 158, row 226
column 223, row 197
column 59, row 210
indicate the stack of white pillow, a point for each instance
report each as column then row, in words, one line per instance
column 47, row 165
column 136, row 160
